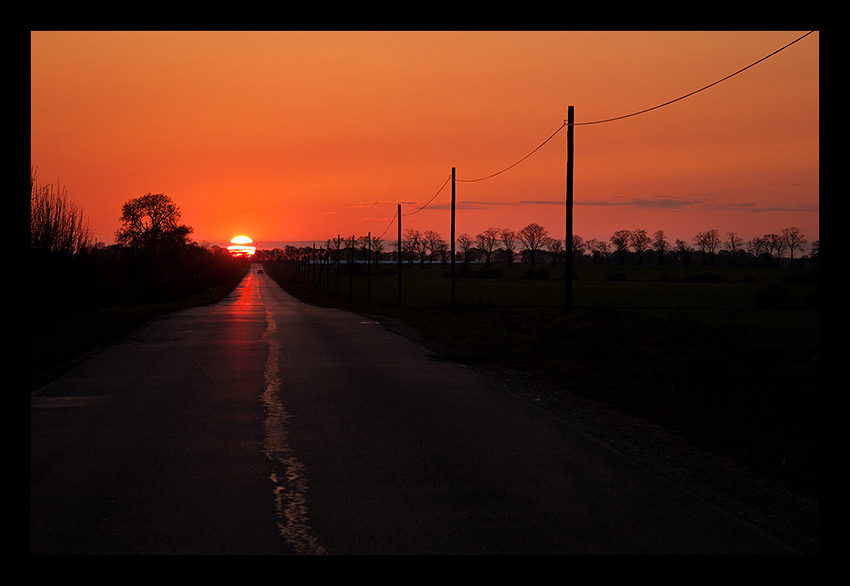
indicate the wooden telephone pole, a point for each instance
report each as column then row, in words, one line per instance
column 453, row 236
column 368, row 266
column 399, row 255
column 568, row 245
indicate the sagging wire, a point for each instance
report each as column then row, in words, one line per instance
column 392, row 221
column 395, row 215
column 432, row 198
column 518, row 162
column 696, row 91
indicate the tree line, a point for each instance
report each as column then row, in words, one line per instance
column 153, row 258
column 533, row 244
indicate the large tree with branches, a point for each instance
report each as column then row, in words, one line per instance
column 150, row 223
column 488, row 241
column 534, row 237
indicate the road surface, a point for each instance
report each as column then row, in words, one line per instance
column 262, row 425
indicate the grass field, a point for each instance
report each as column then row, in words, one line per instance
column 55, row 343
column 726, row 357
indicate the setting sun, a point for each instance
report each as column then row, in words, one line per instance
column 241, row 247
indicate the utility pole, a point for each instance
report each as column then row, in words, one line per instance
column 568, row 271
column 453, row 235
column 399, row 256
column 368, row 266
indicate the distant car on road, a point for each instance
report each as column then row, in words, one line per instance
column 260, row 272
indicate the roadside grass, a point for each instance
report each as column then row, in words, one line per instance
column 727, row 358
column 56, row 343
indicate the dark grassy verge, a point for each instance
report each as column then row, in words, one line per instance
column 728, row 358
column 57, row 343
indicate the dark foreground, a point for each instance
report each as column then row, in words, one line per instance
column 262, row 425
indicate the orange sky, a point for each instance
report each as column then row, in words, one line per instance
column 290, row 136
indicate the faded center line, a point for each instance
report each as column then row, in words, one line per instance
column 290, row 486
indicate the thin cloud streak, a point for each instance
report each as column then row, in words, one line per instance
column 756, row 208
column 661, row 202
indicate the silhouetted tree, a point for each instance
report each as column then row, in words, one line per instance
column 377, row 248
column 776, row 243
column 794, row 240
column 488, row 240
column 639, row 240
column 509, row 239
column 466, row 243
column 756, row 246
column 443, row 250
column 598, row 249
column 433, row 241
column 371, row 248
column 660, row 245
column 351, row 248
column 364, row 243
column 422, row 250
column 411, row 243
column 555, row 246
column 150, row 224
column 734, row 245
column 621, row 239
column 707, row 242
column 685, row 251
column 533, row 237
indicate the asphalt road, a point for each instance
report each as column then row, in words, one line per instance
column 261, row 425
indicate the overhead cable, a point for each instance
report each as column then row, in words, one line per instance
column 395, row 215
column 518, row 162
column 388, row 227
column 430, row 200
column 694, row 92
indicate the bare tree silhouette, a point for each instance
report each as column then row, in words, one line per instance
column 533, row 237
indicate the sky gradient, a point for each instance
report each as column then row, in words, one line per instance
column 300, row 136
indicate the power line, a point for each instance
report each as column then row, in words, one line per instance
column 388, row 227
column 430, row 200
column 518, row 162
column 697, row 91
column 420, row 209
